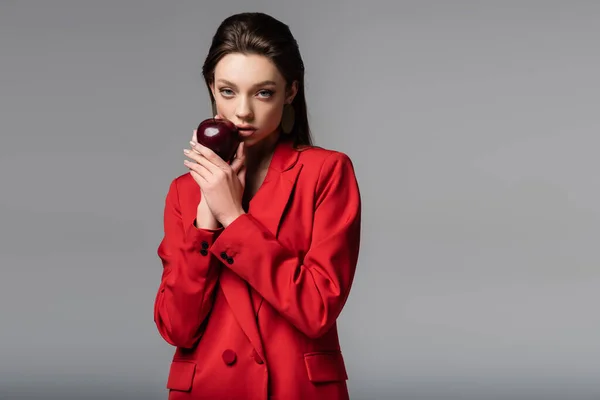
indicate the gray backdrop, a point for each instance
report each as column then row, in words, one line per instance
column 473, row 127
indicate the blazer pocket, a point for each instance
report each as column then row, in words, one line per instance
column 181, row 375
column 325, row 366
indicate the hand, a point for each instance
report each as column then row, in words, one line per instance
column 222, row 185
column 194, row 174
column 204, row 216
column 239, row 154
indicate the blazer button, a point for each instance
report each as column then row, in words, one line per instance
column 229, row 357
column 230, row 260
column 257, row 357
column 204, row 252
column 204, row 244
column 224, row 256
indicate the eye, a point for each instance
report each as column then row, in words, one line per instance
column 226, row 92
column 265, row 94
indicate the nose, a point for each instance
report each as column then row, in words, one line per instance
column 244, row 110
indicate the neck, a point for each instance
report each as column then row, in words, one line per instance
column 259, row 156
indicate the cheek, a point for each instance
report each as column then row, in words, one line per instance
column 225, row 108
column 271, row 115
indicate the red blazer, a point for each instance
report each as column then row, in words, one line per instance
column 252, row 308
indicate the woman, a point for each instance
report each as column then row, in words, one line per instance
column 259, row 255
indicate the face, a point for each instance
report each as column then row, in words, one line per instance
column 250, row 92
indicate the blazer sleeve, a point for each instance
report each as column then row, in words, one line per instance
column 308, row 291
column 189, row 277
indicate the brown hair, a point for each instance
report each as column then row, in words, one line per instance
column 259, row 33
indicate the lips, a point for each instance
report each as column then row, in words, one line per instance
column 246, row 131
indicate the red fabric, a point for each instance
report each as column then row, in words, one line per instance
column 297, row 248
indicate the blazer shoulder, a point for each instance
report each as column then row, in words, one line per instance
column 331, row 174
column 182, row 183
column 316, row 158
column 185, row 179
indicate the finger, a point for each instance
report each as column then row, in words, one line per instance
column 194, row 138
column 242, row 175
column 193, row 154
column 207, row 167
column 211, row 167
column 192, row 146
column 210, row 156
column 240, row 158
column 199, row 158
column 197, row 177
column 198, row 168
column 241, row 150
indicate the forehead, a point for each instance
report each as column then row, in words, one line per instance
column 247, row 69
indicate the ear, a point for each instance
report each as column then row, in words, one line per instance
column 212, row 89
column 291, row 92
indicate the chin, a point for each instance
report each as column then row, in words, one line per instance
column 250, row 141
column 259, row 138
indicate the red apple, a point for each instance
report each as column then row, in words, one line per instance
column 219, row 135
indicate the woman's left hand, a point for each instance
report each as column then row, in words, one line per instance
column 222, row 184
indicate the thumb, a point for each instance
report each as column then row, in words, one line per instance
column 242, row 176
column 240, row 158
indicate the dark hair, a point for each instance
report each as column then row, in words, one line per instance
column 259, row 33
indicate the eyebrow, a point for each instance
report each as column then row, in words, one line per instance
column 263, row 83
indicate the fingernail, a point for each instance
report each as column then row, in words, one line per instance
column 192, row 143
column 186, row 151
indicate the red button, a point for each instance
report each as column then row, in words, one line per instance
column 257, row 357
column 229, row 356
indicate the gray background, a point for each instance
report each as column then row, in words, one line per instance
column 473, row 127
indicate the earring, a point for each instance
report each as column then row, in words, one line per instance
column 288, row 118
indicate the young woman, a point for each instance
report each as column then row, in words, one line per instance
column 258, row 255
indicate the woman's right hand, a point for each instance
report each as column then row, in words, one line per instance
column 204, row 216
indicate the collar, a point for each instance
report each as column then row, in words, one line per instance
column 284, row 157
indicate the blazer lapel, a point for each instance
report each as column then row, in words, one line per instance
column 269, row 203
column 236, row 292
column 267, row 207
